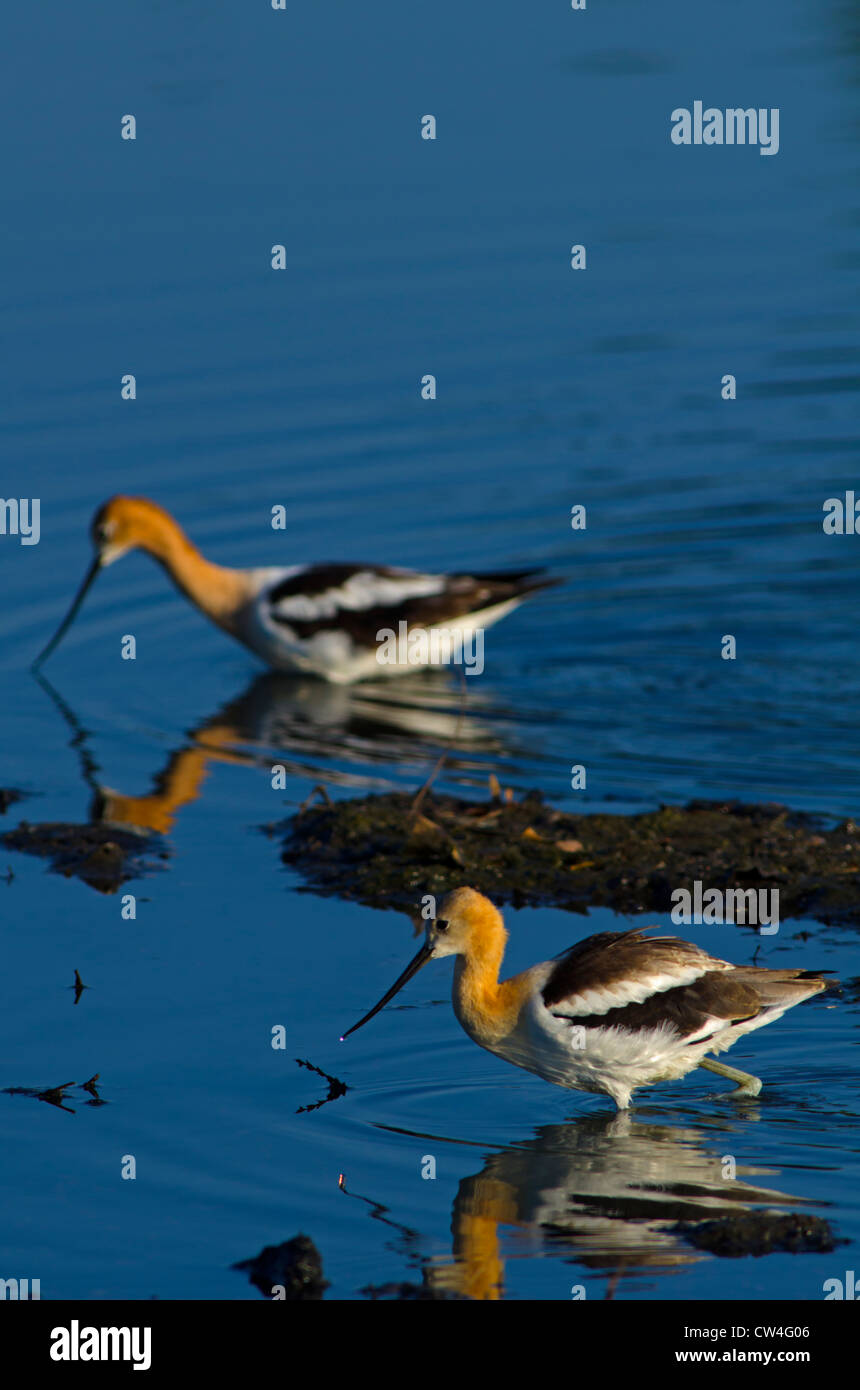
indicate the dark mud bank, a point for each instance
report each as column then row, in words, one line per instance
column 381, row 851
column 105, row 857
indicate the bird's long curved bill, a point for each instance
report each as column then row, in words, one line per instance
column 72, row 613
column 412, row 969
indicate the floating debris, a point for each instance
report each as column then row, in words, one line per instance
column 292, row 1271
column 56, row 1095
column 103, row 856
column 382, row 850
column 79, row 988
column 761, row 1233
column 336, row 1088
column 8, row 797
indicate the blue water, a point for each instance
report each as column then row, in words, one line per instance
column 301, row 388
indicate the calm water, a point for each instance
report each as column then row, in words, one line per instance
column 554, row 388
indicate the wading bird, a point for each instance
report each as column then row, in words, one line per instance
column 324, row 620
column 617, row 1011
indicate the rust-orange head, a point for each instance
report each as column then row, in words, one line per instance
column 130, row 523
column 467, row 924
column 474, row 926
column 119, row 525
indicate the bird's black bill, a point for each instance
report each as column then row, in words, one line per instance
column 412, row 969
column 72, row 613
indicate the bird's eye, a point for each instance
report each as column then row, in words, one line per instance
column 440, row 925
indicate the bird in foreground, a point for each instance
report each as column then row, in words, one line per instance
column 617, row 1011
column 323, row 620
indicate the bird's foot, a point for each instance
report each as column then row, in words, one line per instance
column 747, row 1085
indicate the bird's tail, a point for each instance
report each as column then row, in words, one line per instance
column 781, row 989
column 520, row 581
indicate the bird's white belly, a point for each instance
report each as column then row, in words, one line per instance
column 330, row 654
column 333, row 655
column 611, row 1061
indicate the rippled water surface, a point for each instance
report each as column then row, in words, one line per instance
column 554, row 388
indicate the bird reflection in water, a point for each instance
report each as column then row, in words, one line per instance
column 336, row 734
column 604, row 1192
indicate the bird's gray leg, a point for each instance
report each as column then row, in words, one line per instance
column 747, row 1085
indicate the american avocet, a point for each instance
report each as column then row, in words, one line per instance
column 617, row 1011
column 321, row 619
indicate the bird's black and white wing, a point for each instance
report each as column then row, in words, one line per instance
column 361, row 600
column 632, row 981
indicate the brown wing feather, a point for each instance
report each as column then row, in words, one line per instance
column 459, row 595
column 731, row 994
column 687, row 1008
column 611, row 958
